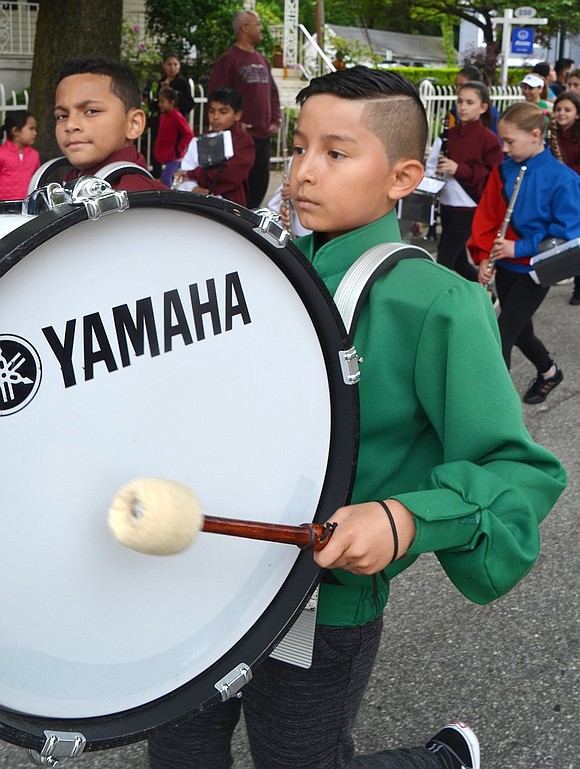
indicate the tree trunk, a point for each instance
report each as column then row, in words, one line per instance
column 67, row 28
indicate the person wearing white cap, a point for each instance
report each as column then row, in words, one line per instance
column 535, row 90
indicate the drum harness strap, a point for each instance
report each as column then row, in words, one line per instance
column 350, row 297
column 108, row 173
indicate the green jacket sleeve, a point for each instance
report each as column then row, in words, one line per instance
column 479, row 510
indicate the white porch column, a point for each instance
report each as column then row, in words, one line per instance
column 291, row 32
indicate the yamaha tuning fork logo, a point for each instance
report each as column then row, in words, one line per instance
column 20, row 373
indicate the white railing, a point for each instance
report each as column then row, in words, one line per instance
column 312, row 60
column 9, row 103
column 17, row 28
column 438, row 100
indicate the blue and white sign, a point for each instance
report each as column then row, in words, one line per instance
column 522, row 41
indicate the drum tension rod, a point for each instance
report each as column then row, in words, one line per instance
column 58, row 746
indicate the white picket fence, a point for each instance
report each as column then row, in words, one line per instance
column 9, row 103
column 438, row 100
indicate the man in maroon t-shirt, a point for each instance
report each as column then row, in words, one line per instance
column 244, row 68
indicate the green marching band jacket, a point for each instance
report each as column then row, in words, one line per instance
column 441, row 429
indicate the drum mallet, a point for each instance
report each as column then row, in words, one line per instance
column 163, row 517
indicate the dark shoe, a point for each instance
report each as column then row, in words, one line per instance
column 575, row 299
column 540, row 388
column 457, row 747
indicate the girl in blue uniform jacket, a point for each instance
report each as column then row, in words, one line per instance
column 547, row 206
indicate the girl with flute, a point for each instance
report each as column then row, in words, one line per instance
column 464, row 161
column 547, row 206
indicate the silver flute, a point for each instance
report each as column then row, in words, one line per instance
column 508, row 214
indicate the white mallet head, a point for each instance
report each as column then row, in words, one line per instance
column 156, row 516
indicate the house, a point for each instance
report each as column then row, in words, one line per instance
column 17, row 33
column 394, row 47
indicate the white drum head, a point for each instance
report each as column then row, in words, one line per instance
column 168, row 341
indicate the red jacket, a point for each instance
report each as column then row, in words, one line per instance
column 15, row 171
column 230, row 179
column 570, row 149
column 173, row 136
column 476, row 150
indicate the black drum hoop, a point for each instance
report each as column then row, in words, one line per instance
column 114, row 730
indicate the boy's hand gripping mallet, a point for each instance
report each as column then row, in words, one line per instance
column 161, row 517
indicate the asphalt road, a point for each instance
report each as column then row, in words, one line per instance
column 510, row 669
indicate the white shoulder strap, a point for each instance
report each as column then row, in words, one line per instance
column 353, row 289
column 108, row 172
column 119, row 168
column 42, row 174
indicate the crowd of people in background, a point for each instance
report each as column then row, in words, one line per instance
column 244, row 104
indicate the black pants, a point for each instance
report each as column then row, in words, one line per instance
column 455, row 232
column 295, row 718
column 260, row 173
column 519, row 298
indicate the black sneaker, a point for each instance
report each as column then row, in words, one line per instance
column 540, row 387
column 575, row 298
column 457, row 747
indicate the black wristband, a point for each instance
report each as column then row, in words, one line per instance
column 393, row 527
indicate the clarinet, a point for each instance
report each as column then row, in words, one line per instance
column 432, row 231
column 444, row 142
column 509, row 211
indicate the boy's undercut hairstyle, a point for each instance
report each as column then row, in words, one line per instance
column 393, row 110
column 123, row 80
column 525, row 116
column 227, row 95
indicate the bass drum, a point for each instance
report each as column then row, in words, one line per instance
column 177, row 339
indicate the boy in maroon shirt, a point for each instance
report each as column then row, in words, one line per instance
column 98, row 118
column 230, row 178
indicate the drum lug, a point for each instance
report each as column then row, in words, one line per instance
column 58, row 746
column 97, row 196
column 349, row 361
column 270, row 228
column 44, row 199
column 230, row 686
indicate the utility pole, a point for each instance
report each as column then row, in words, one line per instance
column 319, row 23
